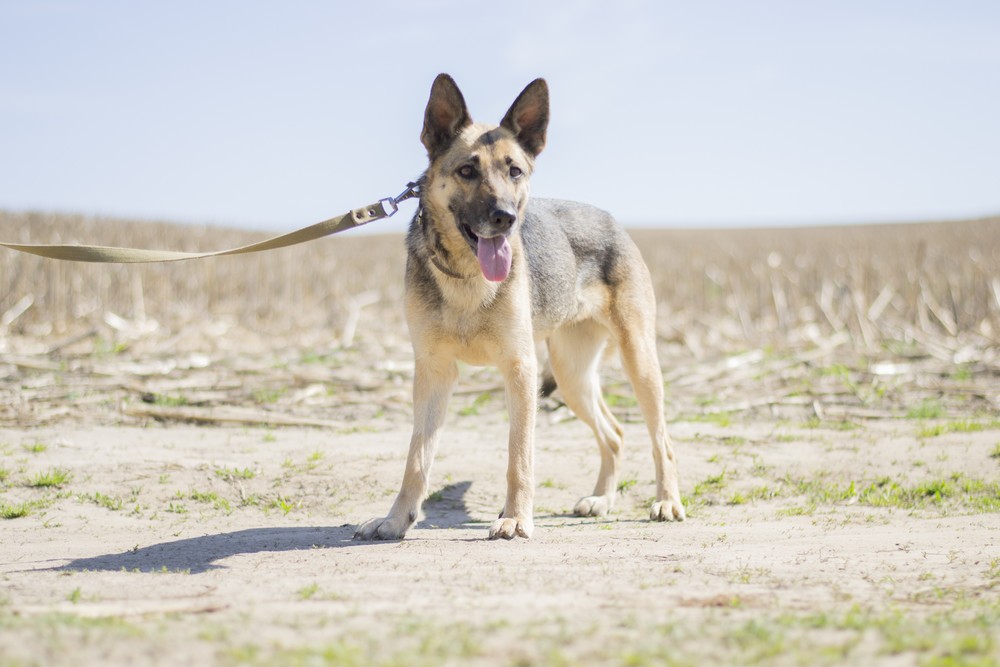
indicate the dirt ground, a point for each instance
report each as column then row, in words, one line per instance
column 806, row 543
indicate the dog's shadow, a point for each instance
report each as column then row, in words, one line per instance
column 444, row 509
column 447, row 508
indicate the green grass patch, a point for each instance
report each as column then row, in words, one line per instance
column 211, row 498
column 22, row 509
column 55, row 477
column 931, row 431
column 473, row 409
column 954, row 492
column 15, row 511
column 308, row 592
column 204, row 496
column 710, row 484
column 113, row 503
column 971, row 426
column 963, row 372
column 314, row 357
column 175, row 401
column 267, row 396
column 626, row 484
column 233, row 474
column 282, row 504
column 853, row 636
column 752, row 495
column 722, row 418
column 926, row 409
column 620, row 400
column 958, row 426
column 843, row 425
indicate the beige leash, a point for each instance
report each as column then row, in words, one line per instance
column 383, row 208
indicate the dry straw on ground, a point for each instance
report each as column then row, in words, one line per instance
column 876, row 283
column 839, row 323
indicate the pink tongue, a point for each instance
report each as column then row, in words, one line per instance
column 494, row 258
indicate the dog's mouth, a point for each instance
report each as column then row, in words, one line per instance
column 470, row 236
column 493, row 253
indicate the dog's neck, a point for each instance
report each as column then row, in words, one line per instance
column 423, row 221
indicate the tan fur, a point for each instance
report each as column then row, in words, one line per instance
column 480, row 322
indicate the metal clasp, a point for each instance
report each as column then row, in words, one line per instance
column 412, row 190
column 389, row 207
column 391, row 204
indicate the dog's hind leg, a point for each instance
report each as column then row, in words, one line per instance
column 575, row 353
column 434, row 379
column 636, row 335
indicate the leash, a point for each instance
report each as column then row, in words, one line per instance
column 383, row 208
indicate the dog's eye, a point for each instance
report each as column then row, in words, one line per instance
column 467, row 172
column 515, row 172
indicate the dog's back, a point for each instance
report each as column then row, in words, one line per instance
column 576, row 253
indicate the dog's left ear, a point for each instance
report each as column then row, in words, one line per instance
column 528, row 117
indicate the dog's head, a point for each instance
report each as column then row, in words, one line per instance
column 478, row 174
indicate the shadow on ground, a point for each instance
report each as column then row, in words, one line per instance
column 200, row 554
column 444, row 509
column 447, row 508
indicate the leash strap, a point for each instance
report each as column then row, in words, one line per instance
column 383, row 208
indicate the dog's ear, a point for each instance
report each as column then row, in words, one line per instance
column 528, row 117
column 445, row 116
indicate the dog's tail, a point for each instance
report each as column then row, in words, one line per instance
column 548, row 383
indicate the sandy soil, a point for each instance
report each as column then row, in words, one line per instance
column 176, row 543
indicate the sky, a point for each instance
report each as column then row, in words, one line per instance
column 723, row 113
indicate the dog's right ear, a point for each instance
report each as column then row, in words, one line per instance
column 446, row 115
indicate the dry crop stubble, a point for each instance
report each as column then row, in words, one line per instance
column 832, row 324
column 313, row 285
column 881, row 283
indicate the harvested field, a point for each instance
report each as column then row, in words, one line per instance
column 186, row 449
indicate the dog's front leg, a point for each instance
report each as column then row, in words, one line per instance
column 521, row 379
column 433, row 381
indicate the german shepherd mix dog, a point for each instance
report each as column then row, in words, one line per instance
column 489, row 275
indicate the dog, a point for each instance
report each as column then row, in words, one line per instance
column 490, row 275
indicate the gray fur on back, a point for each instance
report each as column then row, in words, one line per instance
column 569, row 245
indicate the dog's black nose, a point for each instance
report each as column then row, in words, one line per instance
column 503, row 218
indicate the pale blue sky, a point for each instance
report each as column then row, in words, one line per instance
column 720, row 113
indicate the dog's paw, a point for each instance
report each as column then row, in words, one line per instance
column 666, row 510
column 508, row 528
column 593, row 506
column 381, row 529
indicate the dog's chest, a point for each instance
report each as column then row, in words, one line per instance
column 480, row 331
